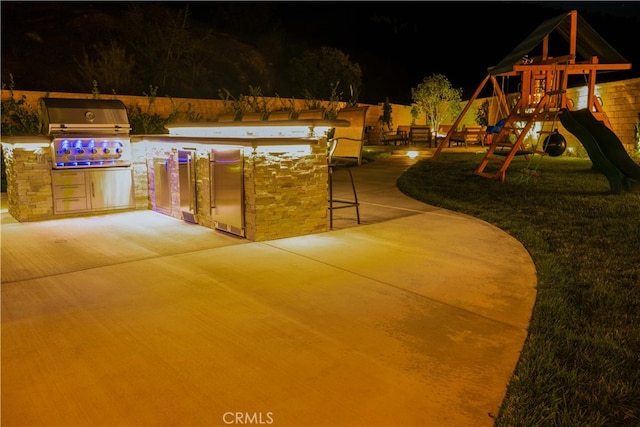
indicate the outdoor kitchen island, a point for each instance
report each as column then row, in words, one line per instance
column 260, row 180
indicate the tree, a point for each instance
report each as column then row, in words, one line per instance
column 112, row 67
column 437, row 99
column 161, row 42
column 17, row 116
column 482, row 114
column 186, row 59
column 325, row 73
column 386, row 119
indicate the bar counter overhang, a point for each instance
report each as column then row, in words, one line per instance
column 307, row 128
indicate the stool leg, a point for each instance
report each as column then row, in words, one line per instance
column 355, row 195
column 348, row 203
column 330, row 198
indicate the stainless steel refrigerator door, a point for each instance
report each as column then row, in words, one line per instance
column 161, row 185
column 227, row 190
column 187, row 176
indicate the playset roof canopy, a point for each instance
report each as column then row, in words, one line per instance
column 588, row 43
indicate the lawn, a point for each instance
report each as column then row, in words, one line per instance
column 580, row 364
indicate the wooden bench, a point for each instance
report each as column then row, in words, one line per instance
column 420, row 135
column 405, row 128
column 395, row 136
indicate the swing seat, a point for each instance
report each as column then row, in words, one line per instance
column 518, row 153
column 497, row 127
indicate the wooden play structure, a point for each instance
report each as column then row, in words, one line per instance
column 542, row 79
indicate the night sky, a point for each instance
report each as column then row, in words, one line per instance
column 398, row 44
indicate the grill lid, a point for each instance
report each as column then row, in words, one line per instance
column 87, row 116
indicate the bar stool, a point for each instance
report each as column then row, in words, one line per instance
column 346, row 149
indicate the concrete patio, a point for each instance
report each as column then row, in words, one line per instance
column 139, row 319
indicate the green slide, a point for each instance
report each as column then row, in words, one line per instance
column 604, row 149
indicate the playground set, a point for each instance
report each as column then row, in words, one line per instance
column 541, row 102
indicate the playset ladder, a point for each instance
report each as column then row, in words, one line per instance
column 501, row 141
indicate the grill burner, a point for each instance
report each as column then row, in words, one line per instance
column 83, row 152
column 87, row 133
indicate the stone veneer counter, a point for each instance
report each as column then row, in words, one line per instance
column 28, row 168
column 284, row 172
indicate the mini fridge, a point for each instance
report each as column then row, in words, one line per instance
column 187, row 175
column 227, row 190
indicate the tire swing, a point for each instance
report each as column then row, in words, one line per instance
column 555, row 144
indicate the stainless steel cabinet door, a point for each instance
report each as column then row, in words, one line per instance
column 110, row 189
column 161, row 185
column 187, row 174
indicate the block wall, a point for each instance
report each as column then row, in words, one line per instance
column 620, row 100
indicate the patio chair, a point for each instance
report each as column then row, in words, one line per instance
column 394, row 136
column 346, row 149
column 419, row 134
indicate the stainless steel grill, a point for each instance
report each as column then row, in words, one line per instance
column 87, row 133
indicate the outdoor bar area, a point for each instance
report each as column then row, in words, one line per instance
column 259, row 180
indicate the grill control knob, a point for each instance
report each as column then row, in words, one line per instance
column 106, row 150
column 79, row 150
column 94, row 150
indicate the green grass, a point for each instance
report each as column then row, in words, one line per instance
column 580, row 364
